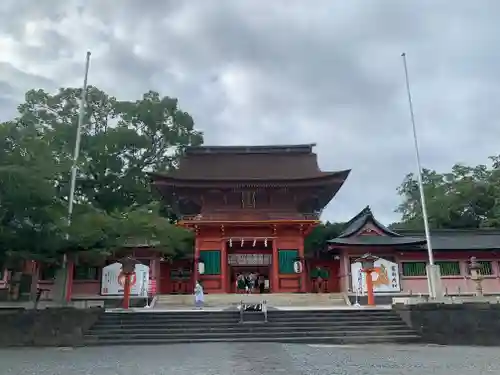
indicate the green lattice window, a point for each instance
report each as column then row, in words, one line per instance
column 48, row 272
column 413, row 269
column 180, row 274
column 449, row 268
column 211, row 258
column 486, row 267
column 86, row 272
column 320, row 272
column 286, row 259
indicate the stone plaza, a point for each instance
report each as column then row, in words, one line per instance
column 252, row 359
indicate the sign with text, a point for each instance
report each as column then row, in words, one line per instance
column 385, row 277
column 252, row 307
column 249, row 259
column 113, row 280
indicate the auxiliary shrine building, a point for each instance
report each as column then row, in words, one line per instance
column 251, row 209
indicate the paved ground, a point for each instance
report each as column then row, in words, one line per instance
column 253, row 359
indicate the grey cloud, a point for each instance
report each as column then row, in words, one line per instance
column 330, row 74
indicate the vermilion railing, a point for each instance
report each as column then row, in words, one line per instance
column 246, row 216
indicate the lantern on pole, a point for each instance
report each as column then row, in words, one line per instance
column 476, row 276
column 368, row 267
column 128, row 270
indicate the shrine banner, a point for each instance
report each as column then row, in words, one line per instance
column 385, row 277
column 113, row 280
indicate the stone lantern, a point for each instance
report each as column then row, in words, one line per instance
column 127, row 278
column 475, row 275
column 368, row 267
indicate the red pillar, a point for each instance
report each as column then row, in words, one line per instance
column 126, row 292
column 224, row 267
column 275, row 273
column 303, row 279
column 70, row 269
column 196, row 259
column 369, row 287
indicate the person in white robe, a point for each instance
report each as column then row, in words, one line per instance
column 199, row 296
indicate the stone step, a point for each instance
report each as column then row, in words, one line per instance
column 286, row 324
column 274, row 299
column 254, row 333
column 331, row 340
column 242, row 328
column 146, row 318
column 233, row 312
column 332, row 326
column 282, row 321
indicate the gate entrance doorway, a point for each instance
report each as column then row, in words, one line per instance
column 257, row 263
column 260, row 273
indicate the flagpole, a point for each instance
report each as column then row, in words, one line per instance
column 74, row 168
column 431, row 272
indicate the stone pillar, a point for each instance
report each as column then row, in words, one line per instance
column 224, row 267
column 275, row 265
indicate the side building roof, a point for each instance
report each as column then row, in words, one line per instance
column 365, row 230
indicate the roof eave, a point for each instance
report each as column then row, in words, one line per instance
column 329, row 177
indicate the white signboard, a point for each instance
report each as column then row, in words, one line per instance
column 249, row 259
column 113, row 280
column 385, row 277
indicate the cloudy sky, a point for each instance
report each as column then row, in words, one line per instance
column 292, row 71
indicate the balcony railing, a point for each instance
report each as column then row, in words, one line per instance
column 250, row 216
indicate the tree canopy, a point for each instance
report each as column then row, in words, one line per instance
column 121, row 142
column 465, row 197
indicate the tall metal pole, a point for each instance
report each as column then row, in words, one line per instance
column 431, row 280
column 74, row 168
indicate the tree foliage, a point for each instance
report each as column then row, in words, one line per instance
column 317, row 239
column 121, row 142
column 466, row 197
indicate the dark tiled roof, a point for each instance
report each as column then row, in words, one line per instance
column 441, row 239
column 360, row 220
column 264, row 149
column 377, row 241
column 250, row 163
column 456, row 239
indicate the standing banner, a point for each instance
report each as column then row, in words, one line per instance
column 113, row 280
column 385, row 277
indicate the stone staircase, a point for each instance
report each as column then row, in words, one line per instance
column 350, row 326
column 168, row 301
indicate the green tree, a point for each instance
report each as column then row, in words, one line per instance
column 121, row 142
column 316, row 241
column 466, row 197
column 30, row 211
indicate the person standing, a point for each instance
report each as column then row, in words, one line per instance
column 199, row 296
column 262, row 284
column 240, row 283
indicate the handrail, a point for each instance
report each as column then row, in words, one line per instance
column 264, row 310
column 241, row 311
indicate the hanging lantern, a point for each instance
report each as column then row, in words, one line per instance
column 242, row 242
column 265, row 242
column 297, row 266
column 254, row 242
column 230, row 242
column 201, row 267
